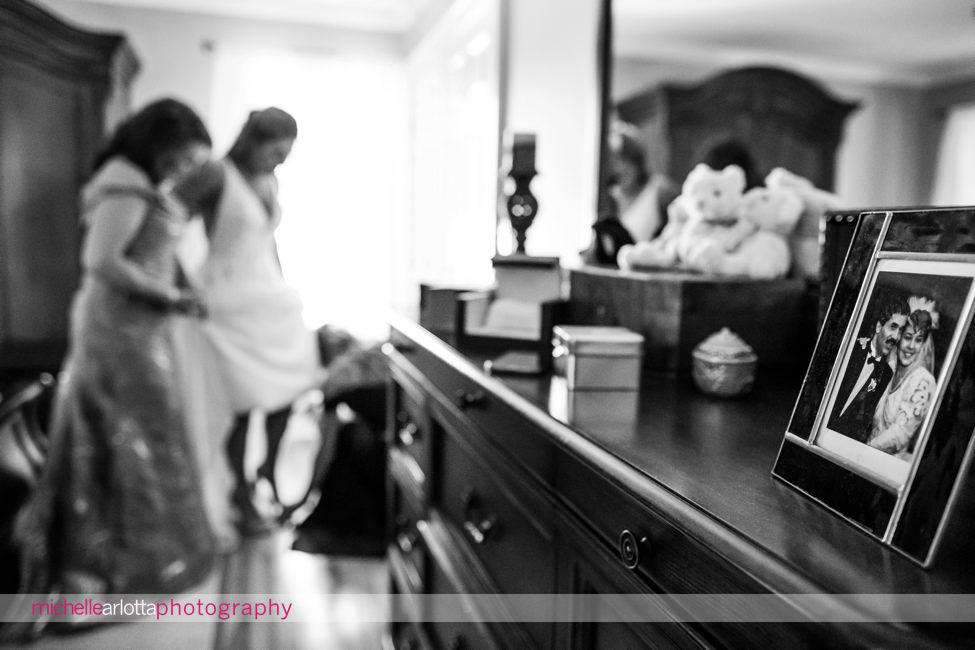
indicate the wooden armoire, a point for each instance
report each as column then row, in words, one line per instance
column 782, row 119
column 61, row 89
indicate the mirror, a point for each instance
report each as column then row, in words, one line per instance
column 893, row 69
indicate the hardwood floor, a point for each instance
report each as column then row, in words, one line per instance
column 350, row 592
column 343, row 586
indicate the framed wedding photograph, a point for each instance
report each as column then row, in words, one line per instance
column 882, row 430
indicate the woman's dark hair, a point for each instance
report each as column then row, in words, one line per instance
column 158, row 128
column 733, row 152
column 262, row 126
column 886, row 308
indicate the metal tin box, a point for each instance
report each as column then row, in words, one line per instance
column 597, row 358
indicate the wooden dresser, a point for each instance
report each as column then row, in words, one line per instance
column 511, row 491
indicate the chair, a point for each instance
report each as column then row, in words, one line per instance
column 24, row 413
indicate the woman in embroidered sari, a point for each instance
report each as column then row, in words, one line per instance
column 906, row 400
column 118, row 508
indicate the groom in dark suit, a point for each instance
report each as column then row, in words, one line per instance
column 868, row 372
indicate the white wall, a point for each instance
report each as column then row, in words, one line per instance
column 454, row 79
column 552, row 91
column 879, row 160
column 344, row 190
column 175, row 48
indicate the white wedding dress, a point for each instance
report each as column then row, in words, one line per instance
column 253, row 351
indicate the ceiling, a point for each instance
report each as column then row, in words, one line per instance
column 899, row 41
column 393, row 16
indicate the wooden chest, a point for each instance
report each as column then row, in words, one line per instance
column 675, row 311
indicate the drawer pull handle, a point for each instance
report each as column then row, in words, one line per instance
column 406, row 542
column 466, row 400
column 477, row 525
column 408, row 435
column 479, row 532
column 630, row 549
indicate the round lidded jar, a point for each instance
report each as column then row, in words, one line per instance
column 724, row 365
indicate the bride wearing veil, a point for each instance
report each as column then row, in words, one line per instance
column 906, row 400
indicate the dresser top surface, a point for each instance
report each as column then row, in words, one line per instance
column 715, row 457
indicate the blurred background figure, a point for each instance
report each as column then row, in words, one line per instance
column 641, row 195
column 118, row 508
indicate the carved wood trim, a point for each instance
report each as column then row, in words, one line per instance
column 770, row 110
column 35, row 37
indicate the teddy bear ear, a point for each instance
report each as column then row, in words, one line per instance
column 777, row 176
column 736, row 173
column 700, row 170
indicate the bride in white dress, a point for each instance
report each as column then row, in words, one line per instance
column 255, row 348
column 905, row 402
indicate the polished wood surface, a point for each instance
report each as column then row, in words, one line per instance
column 701, row 469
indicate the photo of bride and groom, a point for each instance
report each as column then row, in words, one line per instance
column 891, row 377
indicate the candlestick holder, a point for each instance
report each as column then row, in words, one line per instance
column 521, row 204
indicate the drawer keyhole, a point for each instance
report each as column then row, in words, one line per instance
column 468, row 399
column 631, row 548
column 408, row 434
column 406, row 542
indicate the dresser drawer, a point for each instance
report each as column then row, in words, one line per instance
column 452, row 622
column 406, row 544
column 610, row 606
column 405, row 473
column 506, row 428
column 664, row 557
column 406, row 636
column 410, row 428
column 445, row 630
column 503, row 518
column 461, row 602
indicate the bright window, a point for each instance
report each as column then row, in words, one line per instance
column 343, row 190
column 954, row 181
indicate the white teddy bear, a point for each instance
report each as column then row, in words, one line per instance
column 805, row 240
column 768, row 216
column 701, row 225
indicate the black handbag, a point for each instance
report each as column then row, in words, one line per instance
column 608, row 236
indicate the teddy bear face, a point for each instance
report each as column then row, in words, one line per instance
column 712, row 195
column 772, row 209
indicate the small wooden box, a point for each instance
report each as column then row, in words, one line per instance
column 674, row 311
column 518, row 314
column 438, row 307
column 471, row 307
